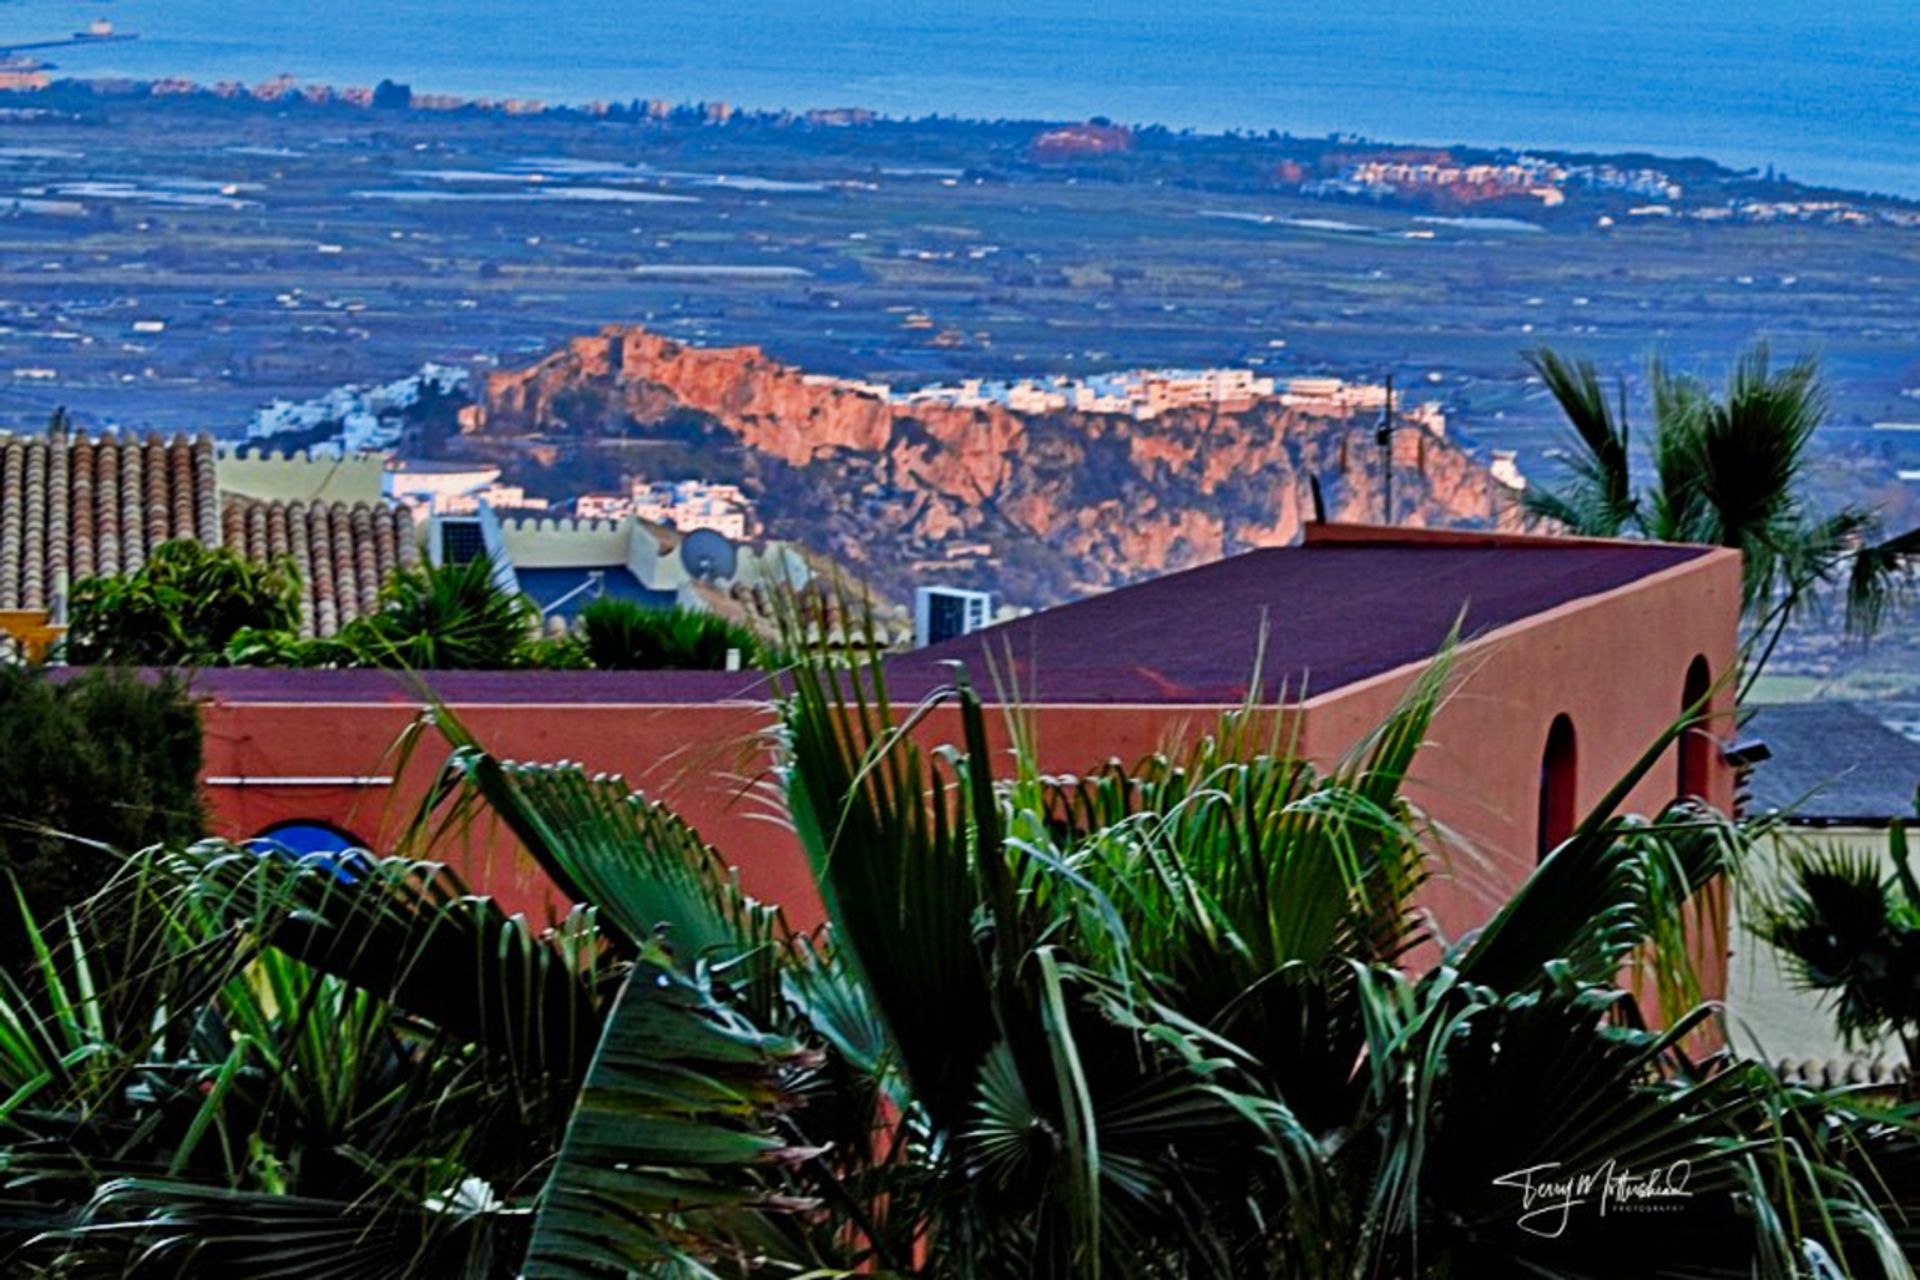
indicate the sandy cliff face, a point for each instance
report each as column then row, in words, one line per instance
column 1039, row 508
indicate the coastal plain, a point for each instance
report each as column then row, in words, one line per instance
column 176, row 261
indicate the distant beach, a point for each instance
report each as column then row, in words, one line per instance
column 1826, row 98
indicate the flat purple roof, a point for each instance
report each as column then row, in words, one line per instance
column 1335, row 614
column 468, row 688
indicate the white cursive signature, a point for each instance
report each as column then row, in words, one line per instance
column 1548, row 1196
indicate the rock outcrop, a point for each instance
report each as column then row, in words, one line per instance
column 1038, row 507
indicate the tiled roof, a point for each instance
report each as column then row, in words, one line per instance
column 1832, row 763
column 343, row 553
column 74, row 507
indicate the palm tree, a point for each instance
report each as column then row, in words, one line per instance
column 441, row 617
column 1159, row 1020
column 1850, row 932
column 1729, row 470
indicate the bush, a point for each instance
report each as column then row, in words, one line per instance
column 103, row 759
column 182, row 608
column 553, row 653
column 621, row 635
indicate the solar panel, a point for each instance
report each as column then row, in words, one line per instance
column 461, row 541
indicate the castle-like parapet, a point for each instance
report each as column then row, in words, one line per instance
column 532, row 542
column 277, row 475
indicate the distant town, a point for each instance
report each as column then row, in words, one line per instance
column 1352, row 169
column 360, row 420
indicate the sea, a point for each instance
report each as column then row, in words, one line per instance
column 1826, row 92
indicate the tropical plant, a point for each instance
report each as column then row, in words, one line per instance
column 182, row 608
column 1730, row 470
column 458, row 617
column 1850, row 931
column 623, row 635
column 440, row 617
column 90, row 762
column 561, row 651
column 256, row 647
column 1179, row 1019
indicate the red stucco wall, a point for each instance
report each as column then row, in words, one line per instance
column 1615, row 663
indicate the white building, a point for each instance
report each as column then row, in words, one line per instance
column 603, row 506
column 510, row 497
column 364, row 419
column 438, row 488
column 1141, row 393
column 687, row 505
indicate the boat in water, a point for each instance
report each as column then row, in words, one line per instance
column 101, row 30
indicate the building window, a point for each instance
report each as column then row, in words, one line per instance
column 1696, row 741
column 1558, row 773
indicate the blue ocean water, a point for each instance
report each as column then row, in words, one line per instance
column 1826, row 92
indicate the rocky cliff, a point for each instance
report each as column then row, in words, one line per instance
column 1037, row 507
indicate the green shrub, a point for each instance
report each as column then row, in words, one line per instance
column 182, row 608
column 102, row 759
column 553, row 653
column 622, row 635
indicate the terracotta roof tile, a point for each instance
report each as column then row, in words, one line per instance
column 342, row 552
column 72, row 507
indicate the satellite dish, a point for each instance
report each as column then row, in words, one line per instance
column 707, row 553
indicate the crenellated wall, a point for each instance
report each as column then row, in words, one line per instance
column 567, row 544
column 275, row 476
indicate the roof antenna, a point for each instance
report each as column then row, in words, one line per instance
column 1384, row 436
column 1319, row 500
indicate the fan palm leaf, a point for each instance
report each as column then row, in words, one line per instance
column 656, row 883
column 1729, row 469
column 676, row 1106
column 1598, row 499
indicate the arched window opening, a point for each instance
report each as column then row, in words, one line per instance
column 1696, row 740
column 312, row 840
column 1558, row 773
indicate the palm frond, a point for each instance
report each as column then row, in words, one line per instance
column 619, row 635
column 674, row 1124
column 167, row 1227
column 440, row 617
column 653, row 881
column 1677, row 509
column 395, row 928
column 1881, row 577
column 1599, row 500
column 891, row 836
column 1837, row 924
column 1615, row 882
column 1447, row 1064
